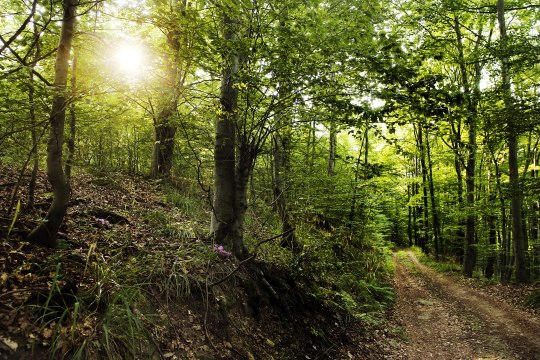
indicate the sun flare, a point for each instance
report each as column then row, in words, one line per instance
column 130, row 60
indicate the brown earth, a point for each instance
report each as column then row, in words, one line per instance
column 445, row 319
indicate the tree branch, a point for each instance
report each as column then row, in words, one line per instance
column 243, row 262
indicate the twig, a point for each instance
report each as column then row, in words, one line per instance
column 21, row 290
column 251, row 257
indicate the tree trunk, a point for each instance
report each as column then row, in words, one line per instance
column 492, row 233
column 332, row 149
column 33, row 122
column 164, row 133
column 164, row 124
column 244, row 168
column 423, row 169
column 363, row 147
column 224, row 205
column 410, row 215
column 72, row 122
column 35, row 145
column 281, row 168
column 45, row 233
column 434, row 212
column 513, row 164
column 470, row 168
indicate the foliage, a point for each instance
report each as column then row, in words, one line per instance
column 365, row 125
column 533, row 300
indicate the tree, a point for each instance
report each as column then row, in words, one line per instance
column 45, row 233
column 175, row 24
column 513, row 164
column 471, row 94
column 227, row 206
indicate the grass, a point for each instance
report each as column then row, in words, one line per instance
column 533, row 300
column 114, row 315
column 446, row 267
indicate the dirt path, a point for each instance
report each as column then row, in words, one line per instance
column 445, row 320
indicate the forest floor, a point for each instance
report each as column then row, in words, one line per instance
column 133, row 277
column 444, row 317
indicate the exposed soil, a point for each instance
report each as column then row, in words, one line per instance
column 445, row 319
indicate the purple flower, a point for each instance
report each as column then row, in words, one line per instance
column 221, row 251
column 103, row 222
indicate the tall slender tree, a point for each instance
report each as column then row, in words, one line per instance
column 512, row 141
column 46, row 232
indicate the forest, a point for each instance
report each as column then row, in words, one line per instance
column 220, row 179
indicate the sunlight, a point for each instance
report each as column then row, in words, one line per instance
column 130, row 61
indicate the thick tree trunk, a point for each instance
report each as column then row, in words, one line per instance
column 244, row 168
column 225, row 189
column 513, row 164
column 45, row 233
column 163, row 154
column 164, row 125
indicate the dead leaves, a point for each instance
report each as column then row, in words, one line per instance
column 11, row 345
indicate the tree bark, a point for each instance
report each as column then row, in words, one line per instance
column 513, row 164
column 45, row 233
column 362, row 151
column 33, row 122
column 225, row 189
column 163, row 154
column 72, row 122
column 410, row 215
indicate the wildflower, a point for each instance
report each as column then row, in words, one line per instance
column 103, row 222
column 221, row 251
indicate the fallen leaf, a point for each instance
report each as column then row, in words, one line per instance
column 47, row 333
column 10, row 343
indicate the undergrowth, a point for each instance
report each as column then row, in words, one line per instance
column 448, row 267
column 107, row 292
column 349, row 273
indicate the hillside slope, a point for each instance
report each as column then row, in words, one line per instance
column 134, row 277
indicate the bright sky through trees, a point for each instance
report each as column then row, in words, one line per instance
column 130, row 61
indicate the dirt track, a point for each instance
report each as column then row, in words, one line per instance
column 445, row 320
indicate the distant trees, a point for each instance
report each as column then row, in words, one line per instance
column 462, row 91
